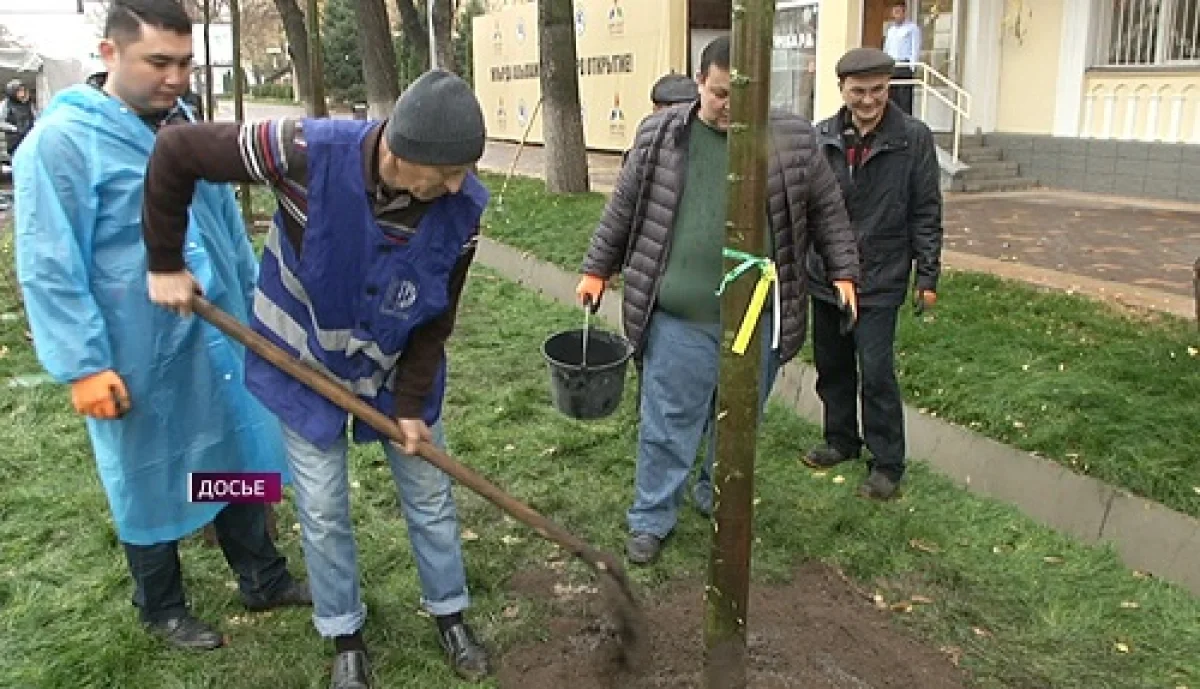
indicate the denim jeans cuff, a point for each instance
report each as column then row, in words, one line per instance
column 448, row 606
column 341, row 625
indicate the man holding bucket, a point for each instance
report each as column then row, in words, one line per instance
column 360, row 278
column 665, row 225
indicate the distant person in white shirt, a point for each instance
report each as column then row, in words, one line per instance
column 903, row 43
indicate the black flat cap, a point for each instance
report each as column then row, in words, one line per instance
column 862, row 61
column 674, row 88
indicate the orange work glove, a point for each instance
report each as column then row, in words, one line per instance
column 590, row 290
column 924, row 300
column 100, row 395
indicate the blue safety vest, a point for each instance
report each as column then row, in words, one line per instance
column 349, row 303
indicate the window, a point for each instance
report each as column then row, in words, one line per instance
column 1151, row 32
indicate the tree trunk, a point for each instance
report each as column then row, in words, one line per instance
column 738, row 387
column 210, row 101
column 378, row 57
column 317, row 107
column 415, row 26
column 443, row 26
column 562, row 123
column 297, row 38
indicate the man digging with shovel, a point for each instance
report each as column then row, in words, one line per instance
column 360, row 279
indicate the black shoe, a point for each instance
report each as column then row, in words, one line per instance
column 296, row 595
column 351, row 671
column 188, row 633
column 643, row 548
column 825, row 457
column 879, row 486
column 466, row 655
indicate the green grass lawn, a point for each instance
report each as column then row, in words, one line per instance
column 1028, row 607
column 1107, row 393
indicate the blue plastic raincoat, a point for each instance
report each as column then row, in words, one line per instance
column 82, row 268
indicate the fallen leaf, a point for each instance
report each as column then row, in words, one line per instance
column 1121, row 648
column 1196, row 490
column 997, row 549
column 3, row 351
column 820, row 474
column 923, row 546
column 981, row 632
column 954, row 652
column 880, row 602
column 1018, row 424
column 511, row 540
column 1024, row 367
column 509, row 447
column 902, row 606
column 549, row 451
column 511, row 611
column 839, row 479
column 922, row 600
column 469, row 535
column 1130, row 605
column 1053, row 560
column 1192, row 351
column 569, row 591
column 1139, row 574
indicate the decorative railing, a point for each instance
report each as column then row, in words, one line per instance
column 934, row 84
column 1131, row 106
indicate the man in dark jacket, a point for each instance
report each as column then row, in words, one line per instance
column 17, row 114
column 665, row 226
column 886, row 163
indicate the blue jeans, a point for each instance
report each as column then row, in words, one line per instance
column 320, row 479
column 678, row 388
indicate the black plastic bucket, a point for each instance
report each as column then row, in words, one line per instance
column 590, row 392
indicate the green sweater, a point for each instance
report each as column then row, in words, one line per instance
column 695, row 265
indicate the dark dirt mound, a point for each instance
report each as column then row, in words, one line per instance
column 816, row 632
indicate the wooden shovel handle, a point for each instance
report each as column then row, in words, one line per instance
column 333, row 391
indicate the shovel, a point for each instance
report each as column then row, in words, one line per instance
column 630, row 624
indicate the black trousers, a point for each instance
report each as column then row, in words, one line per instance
column 902, row 94
column 862, row 361
column 242, row 534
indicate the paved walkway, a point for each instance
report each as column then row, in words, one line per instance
column 1134, row 251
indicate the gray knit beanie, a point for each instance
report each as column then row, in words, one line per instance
column 437, row 121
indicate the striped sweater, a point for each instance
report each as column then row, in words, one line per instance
column 273, row 153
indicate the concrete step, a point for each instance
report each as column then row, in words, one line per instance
column 946, row 140
column 990, row 169
column 1003, row 184
column 971, row 156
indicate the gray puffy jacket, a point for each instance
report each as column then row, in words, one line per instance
column 804, row 205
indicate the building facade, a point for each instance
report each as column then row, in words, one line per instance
column 1093, row 95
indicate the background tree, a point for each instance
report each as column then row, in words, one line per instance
column 292, row 18
column 342, row 56
column 737, row 388
column 562, row 122
column 414, row 24
column 378, row 57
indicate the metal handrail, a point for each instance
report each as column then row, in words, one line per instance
column 961, row 105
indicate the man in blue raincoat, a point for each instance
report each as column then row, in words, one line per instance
column 163, row 396
column 361, row 277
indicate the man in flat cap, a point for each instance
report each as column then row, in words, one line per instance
column 361, row 276
column 887, row 166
